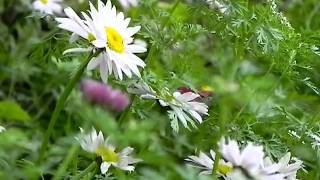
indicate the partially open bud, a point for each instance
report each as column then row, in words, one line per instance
column 103, row 95
column 183, row 90
column 205, row 91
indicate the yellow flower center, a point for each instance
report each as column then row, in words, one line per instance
column 44, row 1
column 115, row 40
column 107, row 154
column 206, row 88
column 91, row 37
column 224, row 169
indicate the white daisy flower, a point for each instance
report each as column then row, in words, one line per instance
column 184, row 107
column 108, row 30
column 2, row 129
column 250, row 159
column 129, row 3
column 94, row 142
column 114, row 35
column 205, row 163
column 48, row 6
column 283, row 168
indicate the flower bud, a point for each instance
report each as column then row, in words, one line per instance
column 103, row 95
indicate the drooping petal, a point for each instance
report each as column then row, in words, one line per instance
column 104, row 167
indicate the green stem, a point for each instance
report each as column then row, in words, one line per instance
column 171, row 12
column 216, row 162
column 91, row 167
column 126, row 112
column 223, row 117
column 63, row 167
column 61, row 102
column 71, row 157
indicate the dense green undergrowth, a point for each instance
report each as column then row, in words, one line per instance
column 259, row 58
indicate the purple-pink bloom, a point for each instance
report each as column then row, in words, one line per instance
column 104, row 95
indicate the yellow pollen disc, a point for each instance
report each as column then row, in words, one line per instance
column 107, row 154
column 206, row 88
column 224, row 169
column 44, row 1
column 91, row 37
column 115, row 40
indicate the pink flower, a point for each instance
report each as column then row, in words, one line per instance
column 104, row 95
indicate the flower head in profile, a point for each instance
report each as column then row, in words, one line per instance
column 185, row 108
column 247, row 161
column 94, row 142
column 205, row 163
column 104, row 95
column 107, row 30
column 250, row 158
column 48, row 6
column 247, row 164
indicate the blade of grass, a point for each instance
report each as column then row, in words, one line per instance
column 61, row 102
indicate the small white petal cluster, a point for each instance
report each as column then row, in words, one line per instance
column 107, row 30
column 316, row 138
column 205, row 163
column 215, row 4
column 94, row 142
column 287, row 170
column 48, row 6
column 284, row 20
column 184, row 106
column 129, row 3
column 248, row 163
column 2, row 129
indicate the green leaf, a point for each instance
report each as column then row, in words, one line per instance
column 10, row 110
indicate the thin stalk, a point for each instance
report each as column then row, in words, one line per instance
column 171, row 12
column 216, row 162
column 223, row 117
column 91, row 167
column 63, row 167
column 126, row 112
column 61, row 102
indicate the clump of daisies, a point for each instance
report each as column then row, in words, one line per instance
column 247, row 163
column 109, row 31
column 95, row 143
column 48, row 6
column 184, row 106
